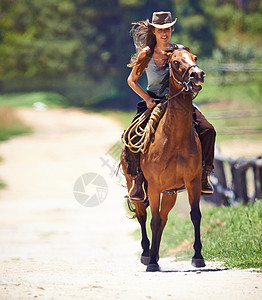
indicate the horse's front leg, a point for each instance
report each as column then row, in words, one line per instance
column 194, row 198
column 158, row 224
column 154, row 201
column 167, row 203
column 141, row 217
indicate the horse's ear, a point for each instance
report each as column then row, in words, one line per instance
column 166, row 53
column 182, row 47
column 169, row 50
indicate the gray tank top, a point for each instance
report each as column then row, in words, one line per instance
column 155, row 76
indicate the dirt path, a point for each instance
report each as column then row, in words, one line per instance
column 51, row 247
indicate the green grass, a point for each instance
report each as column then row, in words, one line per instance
column 229, row 234
column 237, row 128
column 50, row 99
column 234, row 235
column 10, row 124
column 237, row 97
column 2, row 184
column 246, row 93
column 16, row 129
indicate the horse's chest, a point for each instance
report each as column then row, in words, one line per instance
column 165, row 157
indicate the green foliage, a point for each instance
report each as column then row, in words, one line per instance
column 253, row 22
column 80, row 48
column 194, row 28
column 229, row 234
column 37, row 39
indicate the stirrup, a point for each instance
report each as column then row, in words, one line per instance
column 208, row 187
column 137, row 199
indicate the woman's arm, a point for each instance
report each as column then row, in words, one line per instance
column 135, row 86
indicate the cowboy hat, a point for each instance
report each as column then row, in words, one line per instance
column 162, row 19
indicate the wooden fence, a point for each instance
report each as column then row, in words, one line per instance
column 236, row 180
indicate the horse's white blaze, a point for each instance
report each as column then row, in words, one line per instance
column 191, row 62
column 187, row 59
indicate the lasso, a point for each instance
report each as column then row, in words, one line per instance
column 135, row 130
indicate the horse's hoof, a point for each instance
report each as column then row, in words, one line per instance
column 198, row 262
column 153, row 268
column 145, row 260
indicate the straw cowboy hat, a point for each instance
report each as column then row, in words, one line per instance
column 162, row 19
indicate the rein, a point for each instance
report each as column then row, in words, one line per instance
column 136, row 130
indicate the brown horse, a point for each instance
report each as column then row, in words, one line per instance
column 173, row 159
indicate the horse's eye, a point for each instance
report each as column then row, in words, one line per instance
column 176, row 63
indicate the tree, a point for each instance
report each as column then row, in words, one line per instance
column 195, row 28
column 81, row 47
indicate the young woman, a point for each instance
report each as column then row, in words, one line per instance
column 151, row 40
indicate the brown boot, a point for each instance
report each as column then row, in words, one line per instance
column 139, row 194
column 207, row 188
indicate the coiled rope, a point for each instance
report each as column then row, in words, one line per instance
column 136, row 131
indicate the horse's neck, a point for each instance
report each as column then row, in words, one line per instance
column 178, row 117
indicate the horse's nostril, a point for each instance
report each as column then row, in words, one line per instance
column 193, row 75
column 203, row 74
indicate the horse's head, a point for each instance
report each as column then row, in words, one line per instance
column 185, row 71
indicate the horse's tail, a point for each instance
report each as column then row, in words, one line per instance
column 130, row 204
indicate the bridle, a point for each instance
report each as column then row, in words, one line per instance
column 185, row 81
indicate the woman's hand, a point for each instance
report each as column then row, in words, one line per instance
column 150, row 103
